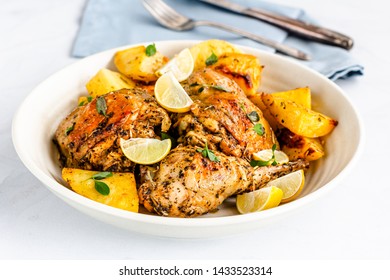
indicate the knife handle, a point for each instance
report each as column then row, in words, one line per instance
column 303, row 29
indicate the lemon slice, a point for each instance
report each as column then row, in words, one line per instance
column 291, row 185
column 181, row 66
column 266, row 155
column 262, row 199
column 145, row 150
column 170, row 94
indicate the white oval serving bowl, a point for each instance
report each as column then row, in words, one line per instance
column 40, row 113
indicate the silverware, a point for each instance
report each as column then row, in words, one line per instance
column 169, row 18
column 297, row 27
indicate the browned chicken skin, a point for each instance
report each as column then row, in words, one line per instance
column 89, row 140
column 187, row 184
column 223, row 117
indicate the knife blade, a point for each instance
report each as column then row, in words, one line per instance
column 297, row 27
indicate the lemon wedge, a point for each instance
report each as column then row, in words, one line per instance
column 266, row 155
column 291, row 185
column 145, row 150
column 170, row 94
column 181, row 66
column 262, row 199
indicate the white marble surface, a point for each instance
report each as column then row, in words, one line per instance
column 351, row 222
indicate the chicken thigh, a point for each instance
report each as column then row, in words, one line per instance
column 223, row 117
column 88, row 138
column 187, row 184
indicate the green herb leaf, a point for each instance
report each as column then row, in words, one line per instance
column 221, row 88
column 81, row 103
column 208, row 154
column 102, row 188
column 101, row 105
column 212, row 59
column 253, row 116
column 69, row 130
column 259, row 129
column 165, row 135
column 89, row 98
column 212, row 156
column 255, row 163
column 151, row 50
column 102, row 175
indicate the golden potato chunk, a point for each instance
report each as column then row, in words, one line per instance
column 300, row 96
column 136, row 64
column 122, row 187
column 202, row 51
column 297, row 118
column 300, row 147
column 244, row 69
column 106, row 81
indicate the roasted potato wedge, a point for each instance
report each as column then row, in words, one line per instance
column 300, row 96
column 106, row 81
column 123, row 191
column 300, row 147
column 244, row 69
column 135, row 64
column 203, row 50
column 297, row 118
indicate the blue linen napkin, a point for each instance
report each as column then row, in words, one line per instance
column 108, row 24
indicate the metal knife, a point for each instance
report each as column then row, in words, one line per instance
column 300, row 28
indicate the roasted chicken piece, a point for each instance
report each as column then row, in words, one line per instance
column 88, row 138
column 223, row 117
column 187, row 184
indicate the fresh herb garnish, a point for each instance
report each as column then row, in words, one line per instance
column 100, row 186
column 208, row 154
column 259, row 129
column 102, row 175
column 255, row 163
column 271, row 161
column 253, row 116
column 165, row 135
column 101, row 105
column 89, row 98
column 69, row 130
column 203, row 86
column 212, row 59
column 221, row 88
column 151, row 50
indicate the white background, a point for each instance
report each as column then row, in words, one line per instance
column 350, row 222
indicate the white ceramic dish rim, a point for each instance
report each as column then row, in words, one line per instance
column 59, row 189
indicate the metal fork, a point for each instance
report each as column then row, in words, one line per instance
column 171, row 19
